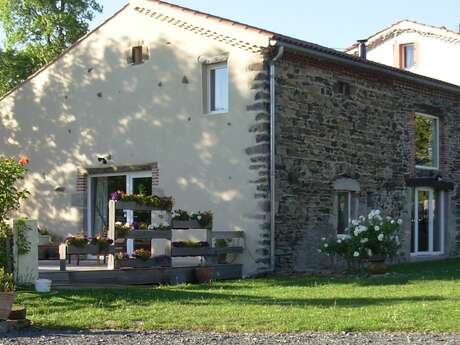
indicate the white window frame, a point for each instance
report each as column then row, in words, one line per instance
column 436, row 154
column 350, row 205
column 129, row 189
column 432, row 198
column 209, row 68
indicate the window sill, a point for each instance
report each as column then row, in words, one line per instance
column 223, row 112
column 426, row 254
column 421, row 167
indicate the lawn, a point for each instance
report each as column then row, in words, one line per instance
column 413, row 297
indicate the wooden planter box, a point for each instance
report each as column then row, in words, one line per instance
column 191, row 251
column 187, row 224
column 149, row 234
column 138, row 263
column 90, row 249
column 132, row 205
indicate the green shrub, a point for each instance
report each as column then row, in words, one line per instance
column 6, row 281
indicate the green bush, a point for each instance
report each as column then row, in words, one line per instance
column 6, row 281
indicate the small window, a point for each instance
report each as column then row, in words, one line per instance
column 343, row 88
column 138, row 54
column 343, row 211
column 426, row 141
column 407, row 55
column 217, row 88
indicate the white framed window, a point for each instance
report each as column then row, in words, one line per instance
column 344, row 211
column 426, row 141
column 217, row 88
column 407, row 55
column 428, row 222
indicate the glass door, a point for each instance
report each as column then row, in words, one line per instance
column 139, row 183
column 101, row 187
column 428, row 231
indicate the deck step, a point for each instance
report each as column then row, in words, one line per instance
column 136, row 276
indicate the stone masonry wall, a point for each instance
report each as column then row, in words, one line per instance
column 335, row 122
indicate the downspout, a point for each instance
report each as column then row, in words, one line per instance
column 273, row 61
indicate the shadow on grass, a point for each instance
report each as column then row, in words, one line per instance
column 111, row 300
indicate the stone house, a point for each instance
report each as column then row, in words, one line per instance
column 281, row 138
column 416, row 47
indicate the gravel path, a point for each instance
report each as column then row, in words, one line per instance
column 47, row 337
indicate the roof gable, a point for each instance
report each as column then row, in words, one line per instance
column 410, row 26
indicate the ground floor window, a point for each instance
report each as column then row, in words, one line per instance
column 428, row 223
column 343, row 211
column 100, row 189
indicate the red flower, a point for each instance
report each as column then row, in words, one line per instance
column 24, row 160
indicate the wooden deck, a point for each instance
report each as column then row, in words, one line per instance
column 91, row 275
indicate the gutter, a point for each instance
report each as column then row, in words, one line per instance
column 273, row 61
column 372, row 67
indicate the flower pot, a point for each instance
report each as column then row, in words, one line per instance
column 6, row 303
column 376, row 266
column 204, row 274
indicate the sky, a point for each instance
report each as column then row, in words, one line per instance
column 332, row 23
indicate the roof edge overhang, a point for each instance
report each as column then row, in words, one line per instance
column 367, row 65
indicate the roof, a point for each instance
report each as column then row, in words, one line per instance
column 407, row 25
column 281, row 40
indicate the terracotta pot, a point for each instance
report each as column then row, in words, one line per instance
column 6, row 304
column 376, row 266
column 204, row 274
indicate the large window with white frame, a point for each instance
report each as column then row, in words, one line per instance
column 217, row 88
column 426, row 141
column 100, row 188
column 428, row 222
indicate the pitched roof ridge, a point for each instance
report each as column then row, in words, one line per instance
column 212, row 16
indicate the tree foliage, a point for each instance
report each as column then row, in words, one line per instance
column 37, row 31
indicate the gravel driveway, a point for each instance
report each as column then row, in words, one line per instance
column 32, row 337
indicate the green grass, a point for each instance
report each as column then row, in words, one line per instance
column 414, row 297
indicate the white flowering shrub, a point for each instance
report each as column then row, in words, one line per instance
column 374, row 236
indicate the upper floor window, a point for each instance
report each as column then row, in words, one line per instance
column 217, row 88
column 407, row 55
column 138, row 54
column 426, row 141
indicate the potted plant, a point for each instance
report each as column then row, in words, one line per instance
column 133, row 201
column 121, row 230
column 6, row 294
column 372, row 239
column 182, row 219
column 45, row 236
